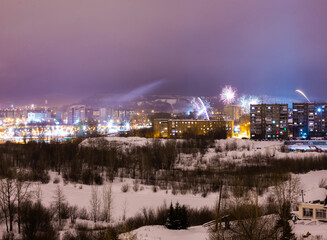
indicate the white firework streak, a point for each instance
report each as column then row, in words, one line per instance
column 302, row 93
column 204, row 108
column 199, row 107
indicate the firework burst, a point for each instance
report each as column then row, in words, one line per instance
column 246, row 101
column 200, row 108
column 228, row 95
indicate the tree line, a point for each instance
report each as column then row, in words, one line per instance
column 153, row 163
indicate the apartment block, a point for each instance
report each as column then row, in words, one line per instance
column 309, row 120
column 269, row 121
column 179, row 128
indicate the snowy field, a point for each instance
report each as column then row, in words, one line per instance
column 132, row 202
column 162, row 233
column 310, row 185
column 230, row 150
column 318, row 231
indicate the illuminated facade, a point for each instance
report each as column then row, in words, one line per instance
column 178, row 128
column 309, row 120
column 234, row 112
column 37, row 116
column 79, row 113
column 269, row 121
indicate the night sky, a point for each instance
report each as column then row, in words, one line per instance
column 76, row 48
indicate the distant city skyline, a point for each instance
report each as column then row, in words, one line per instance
column 70, row 50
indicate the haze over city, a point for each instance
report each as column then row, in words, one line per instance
column 73, row 49
column 163, row 119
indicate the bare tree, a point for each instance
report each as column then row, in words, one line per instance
column 107, row 202
column 95, row 204
column 23, row 193
column 38, row 193
column 73, row 213
column 217, row 230
column 288, row 192
column 249, row 222
column 59, row 201
column 124, row 210
column 8, row 197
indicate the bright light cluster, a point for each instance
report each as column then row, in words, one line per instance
column 22, row 132
column 228, row 95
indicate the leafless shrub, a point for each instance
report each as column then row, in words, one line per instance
column 56, row 180
column 323, row 183
column 125, row 187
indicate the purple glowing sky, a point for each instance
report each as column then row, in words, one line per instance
column 82, row 47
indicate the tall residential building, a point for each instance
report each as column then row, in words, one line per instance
column 103, row 114
column 234, row 112
column 269, row 121
column 309, row 120
column 79, row 113
column 178, row 128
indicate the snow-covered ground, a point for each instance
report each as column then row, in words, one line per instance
column 119, row 141
column 315, row 228
column 202, row 233
column 162, row 233
column 134, row 202
column 310, row 185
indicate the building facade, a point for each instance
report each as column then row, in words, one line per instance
column 234, row 112
column 311, row 211
column 309, row 120
column 179, row 128
column 269, row 121
column 37, row 116
column 79, row 113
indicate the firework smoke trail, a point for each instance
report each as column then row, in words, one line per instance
column 302, row 93
column 204, row 109
column 228, row 95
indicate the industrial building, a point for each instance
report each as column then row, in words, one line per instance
column 179, row 128
column 269, row 121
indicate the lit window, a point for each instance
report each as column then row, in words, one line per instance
column 321, row 213
column 307, row 212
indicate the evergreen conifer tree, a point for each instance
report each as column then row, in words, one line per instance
column 283, row 224
column 184, row 218
column 177, row 217
column 170, row 217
